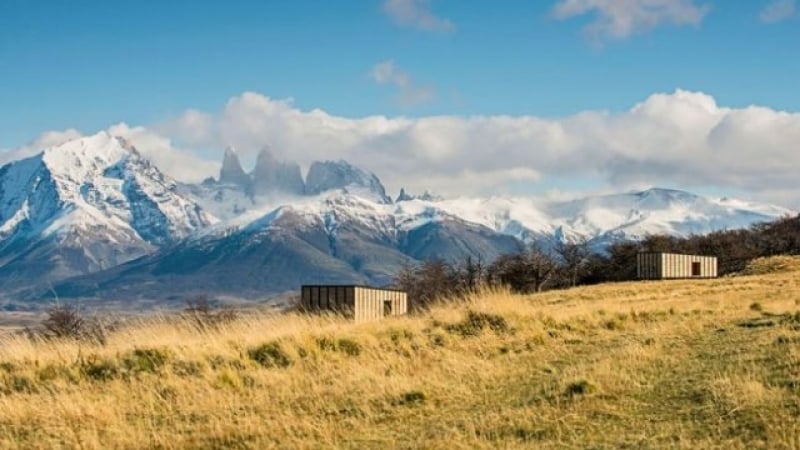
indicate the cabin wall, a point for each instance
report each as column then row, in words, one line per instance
column 657, row 266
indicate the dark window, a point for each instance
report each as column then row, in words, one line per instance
column 695, row 269
column 387, row 307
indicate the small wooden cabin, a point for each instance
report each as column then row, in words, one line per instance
column 357, row 302
column 663, row 266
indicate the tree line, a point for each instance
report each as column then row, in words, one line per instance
column 536, row 267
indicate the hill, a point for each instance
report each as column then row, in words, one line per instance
column 683, row 364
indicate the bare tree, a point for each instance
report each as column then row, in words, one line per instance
column 64, row 321
column 542, row 265
column 528, row 270
column 574, row 254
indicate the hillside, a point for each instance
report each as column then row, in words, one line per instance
column 684, row 364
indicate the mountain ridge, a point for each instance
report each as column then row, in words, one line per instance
column 93, row 216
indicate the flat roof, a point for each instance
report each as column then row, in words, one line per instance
column 350, row 286
column 679, row 254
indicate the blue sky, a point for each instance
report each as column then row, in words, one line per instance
column 85, row 63
column 90, row 64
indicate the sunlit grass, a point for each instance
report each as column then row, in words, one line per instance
column 681, row 364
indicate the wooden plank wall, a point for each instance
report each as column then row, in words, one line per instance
column 360, row 303
column 654, row 266
column 370, row 303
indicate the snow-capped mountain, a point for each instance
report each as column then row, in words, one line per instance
column 92, row 217
column 324, row 176
column 86, row 205
column 603, row 218
column 340, row 237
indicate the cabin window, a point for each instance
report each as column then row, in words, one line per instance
column 387, row 307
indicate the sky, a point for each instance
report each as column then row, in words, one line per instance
column 462, row 97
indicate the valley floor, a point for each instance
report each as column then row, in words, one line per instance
column 684, row 364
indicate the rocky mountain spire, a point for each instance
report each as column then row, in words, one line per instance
column 231, row 171
column 271, row 175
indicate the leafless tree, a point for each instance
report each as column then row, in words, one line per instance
column 574, row 253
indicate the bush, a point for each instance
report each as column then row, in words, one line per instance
column 411, row 398
column 343, row 345
column 64, row 321
column 270, row 355
column 148, row 360
column 580, row 387
column 476, row 322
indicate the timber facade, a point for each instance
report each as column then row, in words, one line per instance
column 664, row 266
column 361, row 303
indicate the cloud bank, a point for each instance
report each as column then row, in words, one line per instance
column 680, row 139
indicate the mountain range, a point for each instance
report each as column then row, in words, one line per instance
column 93, row 218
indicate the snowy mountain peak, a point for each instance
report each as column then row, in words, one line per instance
column 94, row 199
column 328, row 175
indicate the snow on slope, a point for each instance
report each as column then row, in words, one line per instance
column 630, row 215
column 96, row 195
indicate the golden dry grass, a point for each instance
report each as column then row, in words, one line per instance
column 683, row 364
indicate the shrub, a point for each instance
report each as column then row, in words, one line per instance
column 64, row 321
column 147, row 360
column 580, row 387
column 476, row 322
column 343, row 345
column 269, row 355
column 349, row 347
column 411, row 398
column 755, row 306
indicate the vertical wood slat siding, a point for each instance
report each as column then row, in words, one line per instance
column 651, row 266
column 357, row 302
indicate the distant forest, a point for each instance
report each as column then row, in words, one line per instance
column 535, row 268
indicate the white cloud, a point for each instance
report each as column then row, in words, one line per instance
column 681, row 139
column 182, row 164
column 409, row 94
column 179, row 163
column 418, row 14
column 43, row 141
column 778, row 10
column 619, row 19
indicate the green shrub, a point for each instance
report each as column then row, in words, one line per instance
column 19, row 384
column 349, row 347
column 269, row 355
column 476, row 322
column 343, row 345
column 146, row 360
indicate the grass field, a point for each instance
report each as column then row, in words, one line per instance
column 683, row 364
